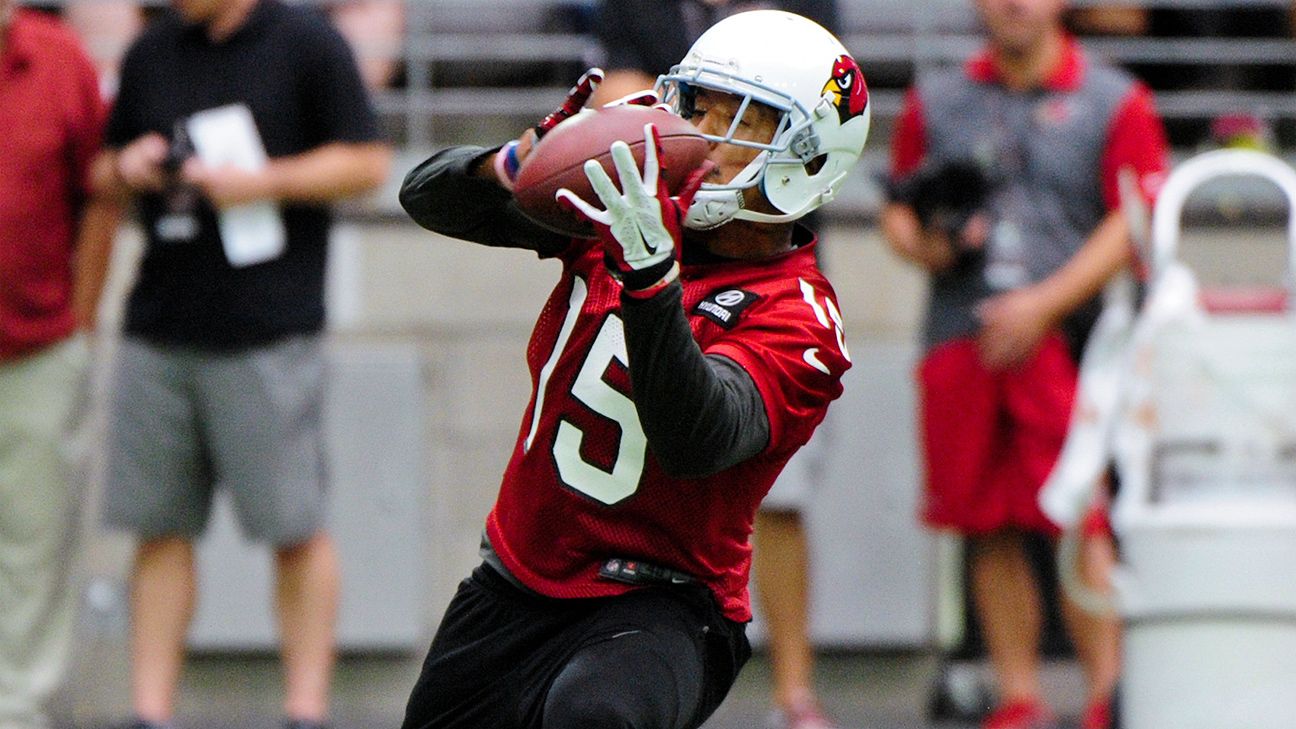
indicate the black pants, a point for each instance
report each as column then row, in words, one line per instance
column 655, row 658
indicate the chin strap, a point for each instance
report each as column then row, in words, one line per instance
column 713, row 208
column 715, row 205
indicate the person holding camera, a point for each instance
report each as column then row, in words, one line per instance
column 1004, row 188
column 220, row 376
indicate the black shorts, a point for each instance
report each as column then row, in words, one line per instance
column 657, row 657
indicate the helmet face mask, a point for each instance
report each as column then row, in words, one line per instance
column 815, row 86
column 681, row 96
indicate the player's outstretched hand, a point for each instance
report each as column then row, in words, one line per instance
column 642, row 223
column 510, row 157
column 577, row 96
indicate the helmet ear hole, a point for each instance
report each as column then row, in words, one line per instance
column 813, row 166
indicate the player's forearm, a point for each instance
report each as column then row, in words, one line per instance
column 445, row 194
column 700, row 414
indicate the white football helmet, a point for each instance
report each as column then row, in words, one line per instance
column 793, row 64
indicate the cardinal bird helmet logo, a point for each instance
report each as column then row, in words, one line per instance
column 846, row 84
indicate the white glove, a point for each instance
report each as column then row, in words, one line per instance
column 641, row 225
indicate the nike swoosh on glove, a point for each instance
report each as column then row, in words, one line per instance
column 641, row 224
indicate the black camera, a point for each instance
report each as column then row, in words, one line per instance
column 179, row 149
column 945, row 196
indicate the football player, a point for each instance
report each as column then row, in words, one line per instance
column 684, row 355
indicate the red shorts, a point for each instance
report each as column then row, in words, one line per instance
column 990, row 439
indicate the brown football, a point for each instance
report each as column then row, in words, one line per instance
column 558, row 160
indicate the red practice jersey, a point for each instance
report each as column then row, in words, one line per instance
column 583, row 486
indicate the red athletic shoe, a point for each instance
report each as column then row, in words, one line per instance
column 1020, row 715
column 1097, row 715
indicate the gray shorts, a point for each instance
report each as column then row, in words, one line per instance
column 800, row 478
column 182, row 423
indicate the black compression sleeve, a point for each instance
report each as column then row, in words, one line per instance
column 442, row 195
column 701, row 413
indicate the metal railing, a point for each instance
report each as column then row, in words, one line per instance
column 448, row 43
column 474, row 67
column 909, row 36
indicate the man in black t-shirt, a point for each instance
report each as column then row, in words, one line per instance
column 219, row 378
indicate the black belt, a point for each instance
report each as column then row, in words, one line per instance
column 637, row 572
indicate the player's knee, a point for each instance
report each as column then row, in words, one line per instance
column 590, row 705
column 586, row 708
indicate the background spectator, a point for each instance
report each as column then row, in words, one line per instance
column 988, row 197
column 219, row 379
column 52, row 233
column 374, row 28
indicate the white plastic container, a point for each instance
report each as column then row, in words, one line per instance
column 1206, row 515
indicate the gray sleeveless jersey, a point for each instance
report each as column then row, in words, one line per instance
column 1043, row 151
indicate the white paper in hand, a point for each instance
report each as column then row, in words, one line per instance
column 254, row 232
